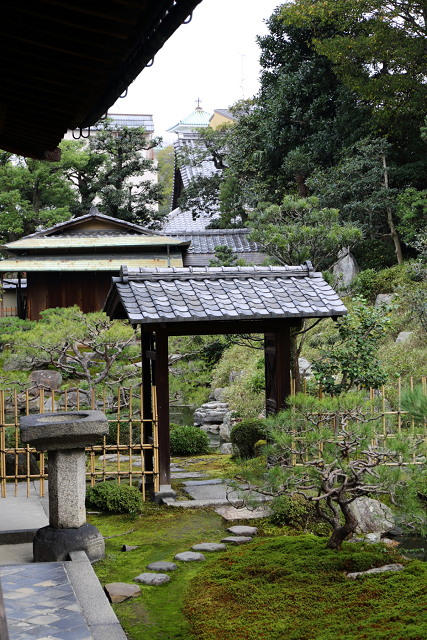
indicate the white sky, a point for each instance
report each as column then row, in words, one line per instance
column 202, row 59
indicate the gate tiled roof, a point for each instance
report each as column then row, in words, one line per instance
column 224, row 293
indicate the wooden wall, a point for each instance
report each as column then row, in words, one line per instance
column 87, row 289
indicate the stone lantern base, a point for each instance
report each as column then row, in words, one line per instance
column 54, row 545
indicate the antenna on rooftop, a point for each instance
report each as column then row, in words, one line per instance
column 242, row 55
column 198, row 103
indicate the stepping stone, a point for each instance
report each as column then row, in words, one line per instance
column 386, row 567
column 189, row 474
column 152, row 579
column 127, row 547
column 176, row 469
column 201, row 483
column 243, row 531
column 233, row 513
column 121, row 591
column 161, row 565
column 209, row 546
column 237, row 539
column 189, row 556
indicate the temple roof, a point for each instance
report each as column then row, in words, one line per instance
column 222, row 293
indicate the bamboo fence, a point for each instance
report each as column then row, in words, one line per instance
column 133, row 459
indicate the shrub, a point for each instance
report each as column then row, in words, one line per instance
column 186, row 441
column 118, row 498
column 245, row 435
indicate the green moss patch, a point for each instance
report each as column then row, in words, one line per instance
column 161, row 533
column 295, row 588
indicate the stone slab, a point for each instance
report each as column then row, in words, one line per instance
column 21, row 514
column 237, row 539
column 152, row 579
column 97, row 611
column 188, row 474
column 121, row 591
column 16, row 553
column 209, row 547
column 195, row 504
column 231, row 513
column 243, row 531
column 202, row 483
column 190, row 556
column 386, row 567
column 162, row 565
column 129, row 547
column 178, row 469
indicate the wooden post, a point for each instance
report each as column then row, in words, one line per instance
column 277, row 355
column 162, row 386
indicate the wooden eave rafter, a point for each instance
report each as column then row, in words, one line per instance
column 63, row 64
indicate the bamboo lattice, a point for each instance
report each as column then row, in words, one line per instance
column 129, row 414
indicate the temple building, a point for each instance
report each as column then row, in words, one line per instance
column 74, row 261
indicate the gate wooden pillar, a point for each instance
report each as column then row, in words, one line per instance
column 147, row 356
column 277, row 354
column 162, row 386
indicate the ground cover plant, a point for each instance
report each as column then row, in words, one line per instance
column 294, row 588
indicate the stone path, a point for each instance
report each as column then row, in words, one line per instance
column 240, row 535
column 40, row 603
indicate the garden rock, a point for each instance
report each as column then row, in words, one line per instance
column 218, row 394
column 384, row 298
column 46, row 379
column 227, row 449
column 127, row 547
column 237, row 539
column 305, row 368
column 84, row 399
column 152, row 579
column 243, row 531
column 209, row 546
column 404, row 336
column 373, row 537
column 189, row 556
column 372, row 515
column 210, row 413
column 162, row 565
column 22, row 464
column 386, row 567
column 121, row 591
column 346, row 267
column 225, row 427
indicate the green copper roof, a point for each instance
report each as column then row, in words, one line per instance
column 198, row 118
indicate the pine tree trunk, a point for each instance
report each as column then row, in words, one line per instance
column 393, row 232
column 341, row 533
column 302, row 188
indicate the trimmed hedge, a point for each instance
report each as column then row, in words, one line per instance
column 244, row 435
column 114, row 497
column 185, row 441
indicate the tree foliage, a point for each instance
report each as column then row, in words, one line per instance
column 290, row 232
column 32, row 194
column 328, row 452
column 89, row 348
column 348, row 358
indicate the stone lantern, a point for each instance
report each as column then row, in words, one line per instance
column 64, row 435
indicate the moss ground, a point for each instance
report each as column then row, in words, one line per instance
column 284, row 585
column 161, row 532
column 295, row 588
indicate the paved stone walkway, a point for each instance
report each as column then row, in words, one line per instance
column 41, row 604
